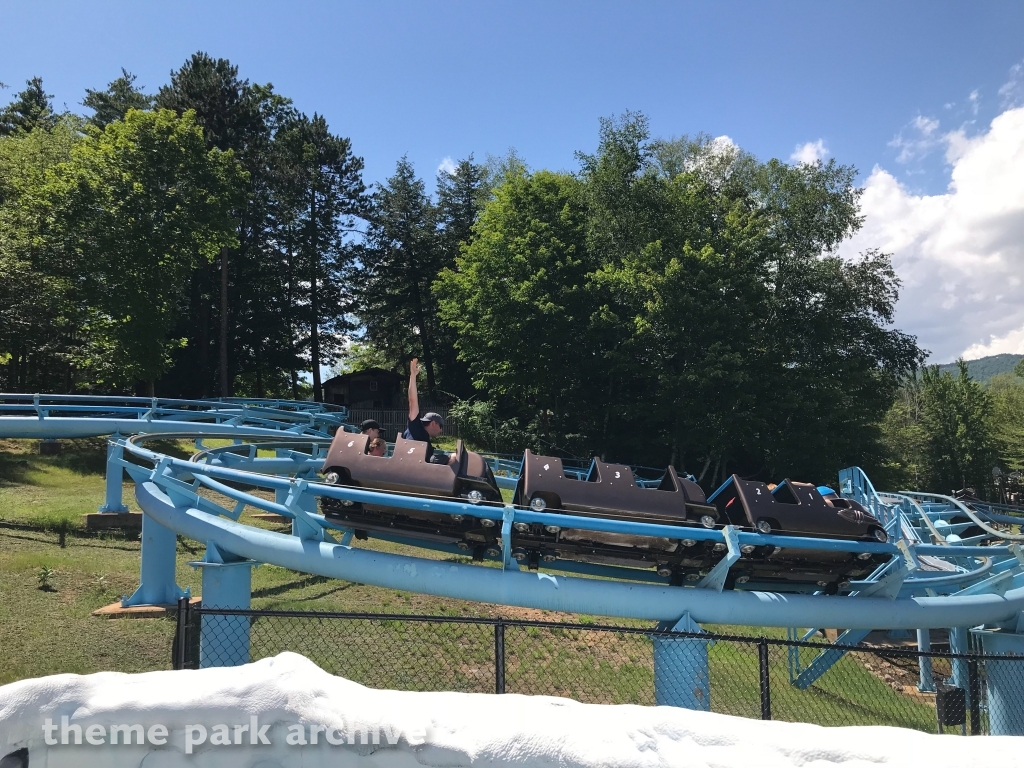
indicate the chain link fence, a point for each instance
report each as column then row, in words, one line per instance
column 766, row 678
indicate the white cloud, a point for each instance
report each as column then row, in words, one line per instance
column 1012, row 91
column 916, row 139
column 960, row 254
column 1012, row 344
column 973, row 101
column 447, row 166
column 809, row 153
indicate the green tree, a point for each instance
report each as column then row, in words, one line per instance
column 681, row 301
column 228, row 110
column 321, row 194
column 1007, row 393
column 958, row 418
column 114, row 102
column 905, row 463
column 41, row 338
column 131, row 215
column 400, row 258
column 30, row 109
column 519, row 305
column 461, row 196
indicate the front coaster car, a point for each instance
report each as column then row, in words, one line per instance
column 799, row 510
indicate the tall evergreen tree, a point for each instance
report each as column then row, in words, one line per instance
column 958, row 418
column 402, row 256
column 114, row 102
column 461, row 195
column 320, row 195
column 228, row 110
column 30, row 109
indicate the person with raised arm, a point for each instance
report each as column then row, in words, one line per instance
column 426, row 427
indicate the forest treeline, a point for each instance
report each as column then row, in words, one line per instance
column 670, row 300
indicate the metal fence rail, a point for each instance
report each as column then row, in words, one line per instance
column 749, row 676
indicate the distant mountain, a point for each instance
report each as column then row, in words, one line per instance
column 985, row 368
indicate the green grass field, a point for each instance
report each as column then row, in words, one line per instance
column 47, row 629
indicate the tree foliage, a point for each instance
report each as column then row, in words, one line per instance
column 958, row 416
column 321, row 193
column 30, row 109
column 114, row 102
column 678, row 300
column 136, row 208
column 41, row 344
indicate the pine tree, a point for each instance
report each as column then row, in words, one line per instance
column 320, row 195
column 30, row 109
column 114, row 103
column 461, row 195
column 400, row 260
column 228, row 109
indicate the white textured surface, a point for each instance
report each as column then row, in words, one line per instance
column 460, row 729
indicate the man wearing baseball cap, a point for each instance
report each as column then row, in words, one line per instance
column 370, row 427
column 425, row 427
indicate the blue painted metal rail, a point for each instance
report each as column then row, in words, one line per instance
column 935, row 577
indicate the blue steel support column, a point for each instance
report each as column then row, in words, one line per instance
column 681, row 673
column 114, row 501
column 227, row 583
column 924, row 644
column 1005, row 682
column 157, row 584
column 958, row 644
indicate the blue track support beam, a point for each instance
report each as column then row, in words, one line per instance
column 159, row 561
column 227, row 583
column 570, row 594
column 682, row 676
column 114, row 500
column 827, row 659
column 715, row 579
column 1005, row 681
column 958, row 644
column 926, row 684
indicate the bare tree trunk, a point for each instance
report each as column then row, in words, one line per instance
column 203, row 335
column 314, row 305
column 704, row 470
column 425, row 342
column 224, row 391
column 314, row 341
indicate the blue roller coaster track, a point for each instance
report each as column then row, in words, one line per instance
column 950, row 564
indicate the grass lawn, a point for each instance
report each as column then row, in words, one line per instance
column 49, row 629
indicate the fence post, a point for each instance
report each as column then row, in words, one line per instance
column 181, row 634
column 766, row 694
column 974, row 681
column 499, row 656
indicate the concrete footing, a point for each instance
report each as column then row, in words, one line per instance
column 105, row 521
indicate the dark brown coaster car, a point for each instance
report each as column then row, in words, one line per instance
column 794, row 509
column 609, row 492
column 407, row 472
column 797, row 509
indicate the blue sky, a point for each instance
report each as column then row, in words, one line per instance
column 876, row 83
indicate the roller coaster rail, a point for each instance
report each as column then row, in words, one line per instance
column 933, row 577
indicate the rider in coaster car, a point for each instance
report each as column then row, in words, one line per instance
column 377, row 447
column 370, row 427
column 430, row 425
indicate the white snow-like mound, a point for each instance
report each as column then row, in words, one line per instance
column 259, row 715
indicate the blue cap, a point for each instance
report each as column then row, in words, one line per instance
column 824, row 490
